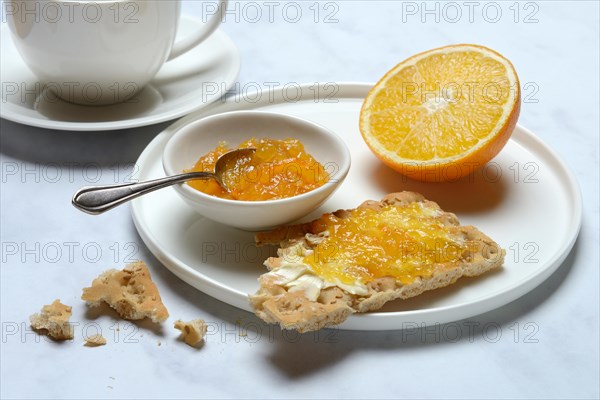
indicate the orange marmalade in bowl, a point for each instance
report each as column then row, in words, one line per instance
column 278, row 169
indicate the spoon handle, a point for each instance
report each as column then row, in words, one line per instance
column 98, row 199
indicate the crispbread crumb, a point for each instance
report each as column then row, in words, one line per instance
column 192, row 332
column 95, row 341
column 130, row 292
column 53, row 320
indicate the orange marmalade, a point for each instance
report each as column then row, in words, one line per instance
column 278, row 169
column 403, row 242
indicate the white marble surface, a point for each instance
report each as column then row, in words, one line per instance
column 548, row 346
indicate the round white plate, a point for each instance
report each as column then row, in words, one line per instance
column 525, row 199
column 183, row 85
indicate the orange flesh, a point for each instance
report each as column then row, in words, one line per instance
column 441, row 107
column 278, row 169
column 403, row 242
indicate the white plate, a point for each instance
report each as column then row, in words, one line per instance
column 186, row 84
column 527, row 200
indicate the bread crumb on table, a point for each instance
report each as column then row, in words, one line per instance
column 192, row 332
column 53, row 321
column 131, row 292
column 95, row 341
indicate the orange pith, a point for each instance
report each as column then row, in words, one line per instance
column 441, row 114
column 403, row 242
column 278, row 169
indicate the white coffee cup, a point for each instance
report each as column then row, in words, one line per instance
column 103, row 51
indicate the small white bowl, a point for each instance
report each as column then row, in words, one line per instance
column 201, row 136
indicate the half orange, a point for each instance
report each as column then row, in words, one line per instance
column 441, row 114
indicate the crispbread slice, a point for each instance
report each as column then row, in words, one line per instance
column 303, row 311
column 130, row 292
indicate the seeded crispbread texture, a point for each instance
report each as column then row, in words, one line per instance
column 273, row 303
column 53, row 320
column 130, row 292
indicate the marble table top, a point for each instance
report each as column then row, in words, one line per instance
column 547, row 341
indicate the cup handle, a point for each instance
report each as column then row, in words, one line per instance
column 182, row 46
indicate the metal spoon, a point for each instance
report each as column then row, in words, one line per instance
column 98, row 199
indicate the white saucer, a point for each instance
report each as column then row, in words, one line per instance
column 186, row 84
column 526, row 199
